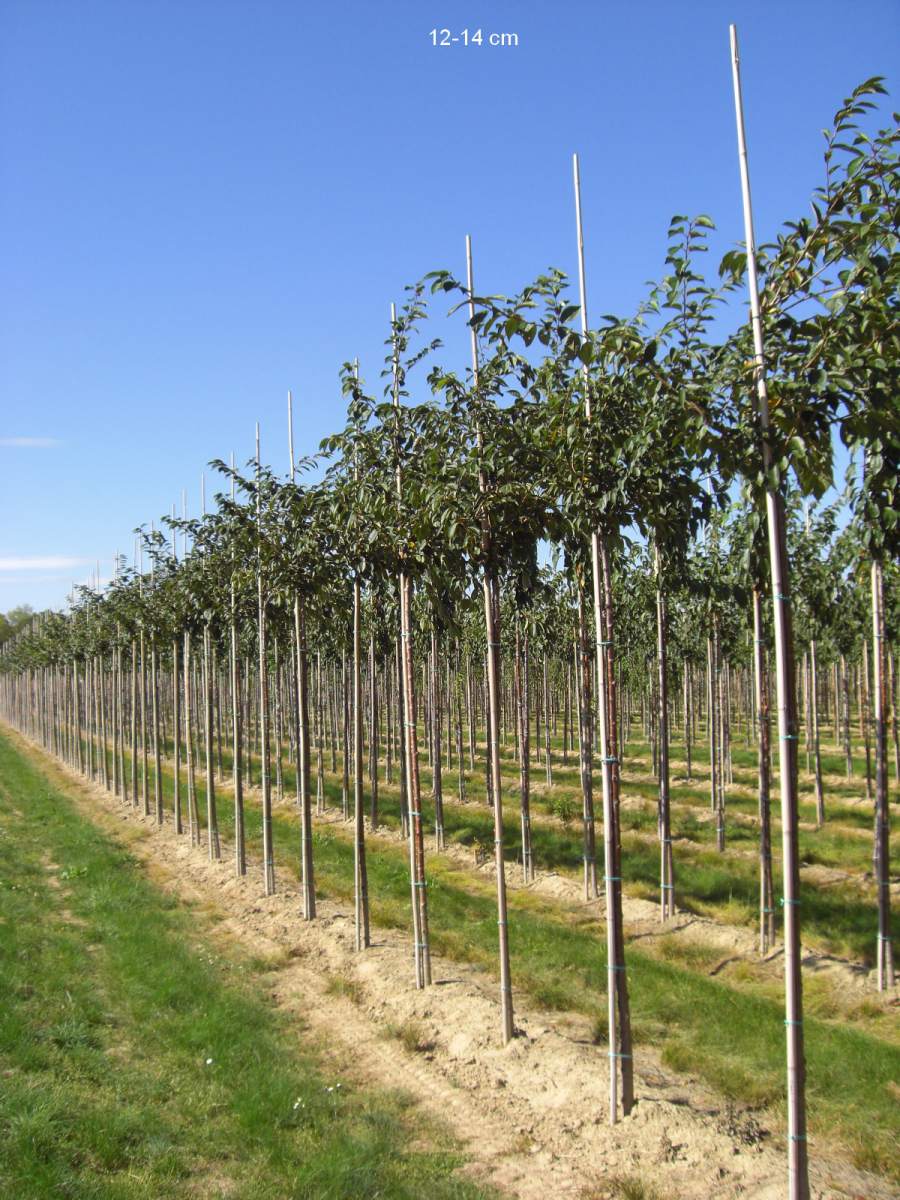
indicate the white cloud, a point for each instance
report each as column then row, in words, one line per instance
column 38, row 443
column 17, row 582
column 38, row 562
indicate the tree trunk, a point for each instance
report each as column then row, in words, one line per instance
column 414, row 793
column 212, row 824
column 864, row 715
column 814, row 710
column 586, row 750
column 845, row 684
column 176, row 739
column 157, row 757
column 145, row 798
column 885, row 958
column 688, row 717
column 374, row 735
column 435, row 723
column 521, row 687
column 307, row 883
column 360, row 878
column 667, row 864
column 193, row 812
column 240, row 843
column 492, row 633
column 766, row 889
column 617, row 983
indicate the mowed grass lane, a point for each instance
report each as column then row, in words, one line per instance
column 138, row 1062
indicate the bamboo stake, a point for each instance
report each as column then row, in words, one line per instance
column 491, row 622
column 212, row 823
column 145, row 800
column 613, row 884
column 521, row 690
column 422, row 952
column 667, row 863
column 304, row 799
column 265, row 783
column 154, row 688
column 134, row 721
column 360, row 878
column 240, row 849
column 798, row 1171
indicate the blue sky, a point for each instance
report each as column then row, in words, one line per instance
column 204, row 203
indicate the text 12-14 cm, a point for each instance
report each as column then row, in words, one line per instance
column 472, row 37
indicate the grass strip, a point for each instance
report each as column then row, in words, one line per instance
column 138, row 1063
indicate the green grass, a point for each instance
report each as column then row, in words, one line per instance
column 729, row 1034
column 732, row 1039
column 139, row 1062
column 840, row 920
column 411, row 1036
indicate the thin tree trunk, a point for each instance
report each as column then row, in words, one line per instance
column 120, row 705
column 865, row 709
column 885, row 958
column 712, row 723
column 414, row 792
column 471, row 712
column 548, row 748
column 521, row 687
column 240, row 842
column 814, row 709
column 766, row 888
column 360, row 879
column 176, row 739
column 264, row 747
column 667, row 864
column 145, row 798
column 193, row 813
column 492, row 637
column 375, row 735
column 720, row 763
column 345, row 737
column 845, row 684
column 892, row 706
column 688, row 717
column 585, row 750
column 624, row 1043
column 307, row 884
column 492, row 632
column 460, row 758
column 157, row 758
column 217, row 703
column 437, row 774
column 279, row 731
column 320, row 734
column 212, row 824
